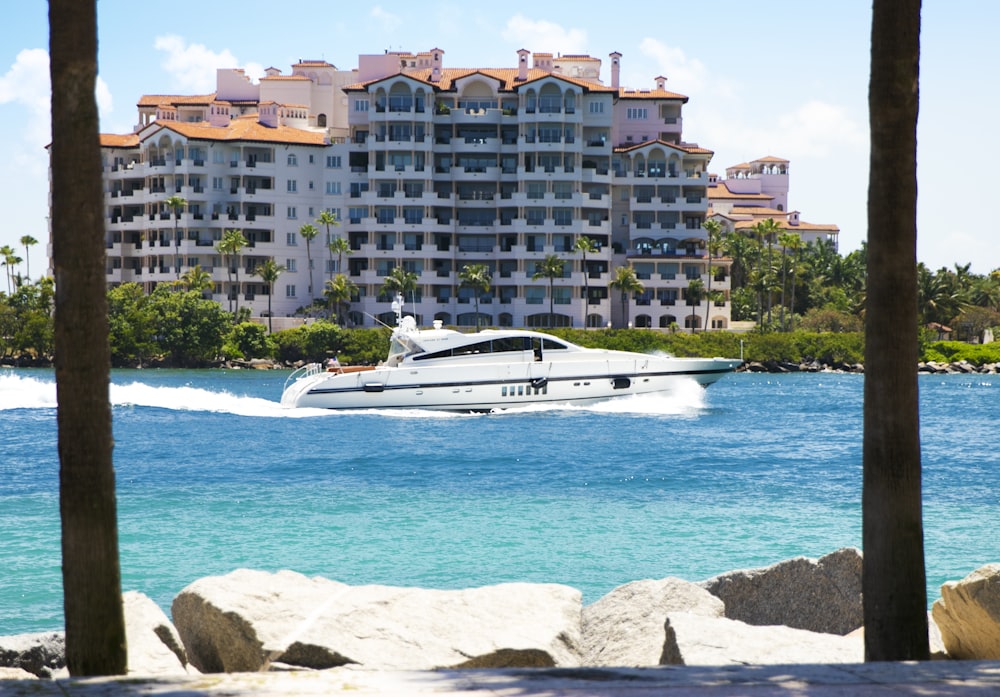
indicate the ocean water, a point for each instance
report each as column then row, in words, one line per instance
column 213, row 475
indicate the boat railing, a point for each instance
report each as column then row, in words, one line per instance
column 305, row 371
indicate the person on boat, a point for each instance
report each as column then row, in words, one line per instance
column 333, row 365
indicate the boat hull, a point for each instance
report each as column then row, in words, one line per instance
column 488, row 386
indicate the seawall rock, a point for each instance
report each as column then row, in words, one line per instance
column 154, row 646
column 968, row 614
column 626, row 626
column 700, row 640
column 248, row 619
column 816, row 595
column 41, row 654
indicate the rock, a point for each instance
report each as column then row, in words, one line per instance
column 968, row 615
column 934, row 641
column 625, row 627
column 700, row 640
column 248, row 619
column 154, row 647
column 819, row 596
column 39, row 654
column 16, row 674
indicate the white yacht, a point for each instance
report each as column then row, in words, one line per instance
column 492, row 369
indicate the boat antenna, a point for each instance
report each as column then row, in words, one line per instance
column 376, row 319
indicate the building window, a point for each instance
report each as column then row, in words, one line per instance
column 218, row 183
column 333, row 161
column 290, row 291
column 597, row 107
column 360, row 105
column 293, row 186
column 291, row 239
column 293, row 161
column 290, row 265
column 292, row 213
column 634, row 113
column 311, row 159
column 333, row 188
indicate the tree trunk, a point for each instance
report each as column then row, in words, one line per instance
column 894, row 584
column 95, row 627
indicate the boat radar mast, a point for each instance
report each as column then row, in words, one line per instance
column 397, row 307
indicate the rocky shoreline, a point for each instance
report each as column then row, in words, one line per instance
column 931, row 367
column 797, row 611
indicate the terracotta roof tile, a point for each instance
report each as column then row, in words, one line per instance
column 721, row 191
column 625, row 93
column 240, row 128
column 111, row 140
column 690, row 149
column 175, row 99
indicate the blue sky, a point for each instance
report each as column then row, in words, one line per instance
column 774, row 77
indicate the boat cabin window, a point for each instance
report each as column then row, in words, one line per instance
column 553, row 345
column 499, row 345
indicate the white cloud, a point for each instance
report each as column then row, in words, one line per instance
column 685, row 74
column 387, row 20
column 541, row 35
column 192, row 66
column 27, row 81
column 819, row 129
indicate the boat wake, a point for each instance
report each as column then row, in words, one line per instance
column 21, row 392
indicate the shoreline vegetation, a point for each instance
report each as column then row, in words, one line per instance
column 249, row 346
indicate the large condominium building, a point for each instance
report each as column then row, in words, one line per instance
column 431, row 169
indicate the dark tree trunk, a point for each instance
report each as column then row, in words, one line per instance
column 95, row 628
column 894, row 584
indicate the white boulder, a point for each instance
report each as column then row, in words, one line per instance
column 693, row 639
column 626, row 626
column 246, row 620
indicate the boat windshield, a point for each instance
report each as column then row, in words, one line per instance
column 399, row 346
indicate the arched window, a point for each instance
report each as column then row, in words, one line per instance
column 321, row 120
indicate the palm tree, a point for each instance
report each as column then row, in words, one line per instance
column 585, row 246
column 328, row 218
column 767, row 230
column 231, row 245
column 10, row 260
column 400, row 281
column 269, row 270
column 176, row 203
column 477, row 277
column 794, row 243
column 340, row 247
column 339, row 291
column 740, row 248
column 308, row 233
column 91, row 570
column 197, row 279
column 894, row 582
column 785, row 239
column 695, row 294
column 626, row 281
column 714, row 230
column 27, row 241
column 550, row 268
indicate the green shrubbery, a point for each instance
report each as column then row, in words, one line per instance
column 955, row 351
column 173, row 327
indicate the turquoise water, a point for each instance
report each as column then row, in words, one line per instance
column 214, row 475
